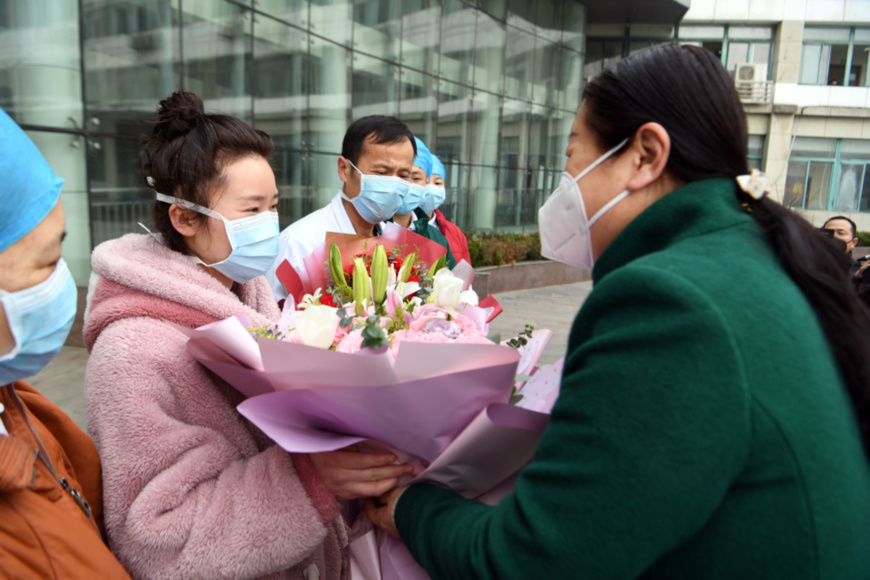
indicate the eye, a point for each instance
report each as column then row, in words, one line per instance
column 274, row 207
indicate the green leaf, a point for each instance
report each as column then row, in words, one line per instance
column 440, row 263
column 373, row 335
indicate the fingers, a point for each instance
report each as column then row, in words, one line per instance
column 355, row 489
column 349, row 474
column 356, row 460
column 379, row 514
column 389, row 472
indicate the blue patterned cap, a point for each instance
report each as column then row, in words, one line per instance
column 29, row 188
column 423, row 160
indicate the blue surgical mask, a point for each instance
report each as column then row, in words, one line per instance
column 412, row 200
column 435, row 195
column 40, row 318
column 254, row 240
column 379, row 196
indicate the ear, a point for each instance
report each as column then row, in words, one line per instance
column 651, row 149
column 184, row 221
column 343, row 168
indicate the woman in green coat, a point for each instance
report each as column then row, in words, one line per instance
column 714, row 415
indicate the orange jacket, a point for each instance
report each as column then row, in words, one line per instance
column 45, row 530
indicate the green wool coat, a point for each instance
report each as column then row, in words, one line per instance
column 702, row 430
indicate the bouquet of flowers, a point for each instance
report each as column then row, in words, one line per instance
column 379, row 302
column 365, row 354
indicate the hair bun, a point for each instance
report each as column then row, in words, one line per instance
column 178, row 115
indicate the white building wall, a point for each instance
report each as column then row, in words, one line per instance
column 795, row 109
column 744, row 11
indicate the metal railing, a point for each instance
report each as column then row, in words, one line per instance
column 755, row 92
column 113, row 219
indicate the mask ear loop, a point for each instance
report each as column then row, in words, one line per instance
column 600, row 160
column 205, row 211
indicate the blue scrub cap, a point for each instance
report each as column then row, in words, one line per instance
column 438, row 168
column 29, row 188
column 423, row 160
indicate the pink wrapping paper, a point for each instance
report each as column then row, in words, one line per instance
column 441, row 403
column 420, row 416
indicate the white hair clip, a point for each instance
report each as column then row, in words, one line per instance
column 150, row 181
column 756, row 184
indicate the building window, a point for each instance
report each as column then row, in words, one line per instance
column 608, row 43
column 829, row 52
column 828, row 174
column 734, row 45
column 755, row 151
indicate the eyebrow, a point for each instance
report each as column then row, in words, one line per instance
column 256, row 197
column 382, row 164
column 50, row 244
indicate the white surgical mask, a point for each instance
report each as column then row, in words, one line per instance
column 254, row 240
column 564, row 224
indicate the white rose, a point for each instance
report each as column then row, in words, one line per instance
column 469, row 297
column 316, row 325
column 446, row 288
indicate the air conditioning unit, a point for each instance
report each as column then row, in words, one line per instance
column 751, row 81
column 750, row 72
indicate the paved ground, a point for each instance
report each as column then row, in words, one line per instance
column 550, row 307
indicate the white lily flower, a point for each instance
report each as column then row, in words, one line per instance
column 310, row 300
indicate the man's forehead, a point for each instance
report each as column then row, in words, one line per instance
column 388, row 154
column 839, row 224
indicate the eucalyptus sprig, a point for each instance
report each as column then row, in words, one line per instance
column 522, row 339
column 373, row 335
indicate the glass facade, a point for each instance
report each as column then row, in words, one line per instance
column 492, row 86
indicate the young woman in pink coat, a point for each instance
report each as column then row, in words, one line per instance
column 192, row 490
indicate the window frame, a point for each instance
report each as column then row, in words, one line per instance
column 837, row 162
column 850, row 52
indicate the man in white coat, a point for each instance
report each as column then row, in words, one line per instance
column 375, row 163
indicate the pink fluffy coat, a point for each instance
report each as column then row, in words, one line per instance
column 192, row 490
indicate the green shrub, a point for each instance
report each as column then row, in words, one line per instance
column 864, row 239
column 498, row 249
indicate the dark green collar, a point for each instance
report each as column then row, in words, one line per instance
column 694, row 209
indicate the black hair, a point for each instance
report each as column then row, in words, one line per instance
column 382, row 129
column 688, row 91
column 186, row 152
column 851, row 223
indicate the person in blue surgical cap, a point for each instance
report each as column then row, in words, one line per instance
column 51, row 508
column 410, row 213
column 435, row 194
